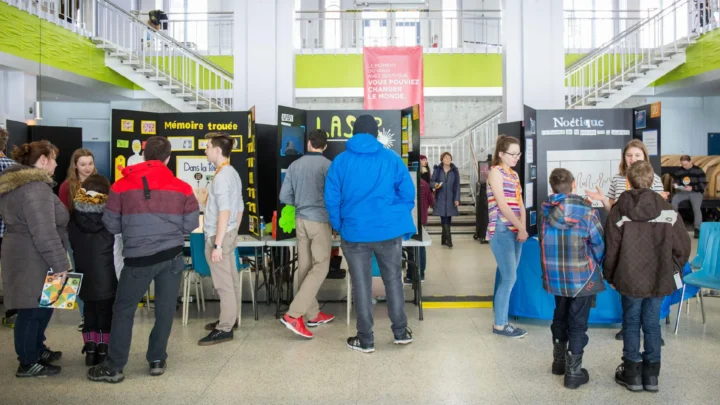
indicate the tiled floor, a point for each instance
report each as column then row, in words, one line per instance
column 455, row 359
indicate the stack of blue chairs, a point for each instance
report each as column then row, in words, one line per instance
column 707, row 263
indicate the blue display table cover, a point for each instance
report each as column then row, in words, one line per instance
column 530, row 300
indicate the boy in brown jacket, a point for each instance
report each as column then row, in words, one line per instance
column 647, row 246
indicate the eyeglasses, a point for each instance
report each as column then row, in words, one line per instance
column 515, row 155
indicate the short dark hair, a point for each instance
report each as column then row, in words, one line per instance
column 157, row 148
column 561, row 181
column 221, row 140
column 641, row 175
column 97, row 183
column 4, row 136
column 318, row 139
column 685, row 158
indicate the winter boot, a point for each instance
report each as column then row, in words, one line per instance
column 650, row 373
column 558, row 364
column 102, row 352
column 629, row 374
column 443, row 238
column 90, row 351
column 575, row 375
column 448, row 240
column 102, row 348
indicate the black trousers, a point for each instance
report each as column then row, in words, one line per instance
column 98, row 315
column 570, row 322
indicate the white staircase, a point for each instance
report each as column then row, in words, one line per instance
column 636, row 58
column 160, row 65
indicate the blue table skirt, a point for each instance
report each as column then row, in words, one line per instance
column 530, row 300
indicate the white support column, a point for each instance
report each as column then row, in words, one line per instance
column 18, row 92
column 533, row 56
column 264, row 57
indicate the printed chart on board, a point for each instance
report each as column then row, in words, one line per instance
column 591, row 168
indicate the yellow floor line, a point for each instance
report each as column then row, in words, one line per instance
column 445, row 305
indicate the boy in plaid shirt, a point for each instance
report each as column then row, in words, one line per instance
column 572, row 250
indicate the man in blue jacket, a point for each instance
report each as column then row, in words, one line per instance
column 369, row 196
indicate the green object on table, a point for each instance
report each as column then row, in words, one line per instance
column 287, row 219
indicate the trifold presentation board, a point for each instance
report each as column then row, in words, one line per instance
column 186, row 133
column 588, row 142
column 398, row 130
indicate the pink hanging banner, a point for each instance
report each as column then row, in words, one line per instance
column 394, row 78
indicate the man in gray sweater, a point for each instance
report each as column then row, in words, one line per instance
column 304, row 188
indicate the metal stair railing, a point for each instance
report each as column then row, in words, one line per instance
column 164, row 60
column 636, row 51
column 481, row 134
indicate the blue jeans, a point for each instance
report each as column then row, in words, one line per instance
column 29, row 332
column 134, row 282
column 389, row 257
column 506, row 250
column 645, row 313
column 570, row 322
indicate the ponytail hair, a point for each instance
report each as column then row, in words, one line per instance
column 29, row 153
column 502, row 145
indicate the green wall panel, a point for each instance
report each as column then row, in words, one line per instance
column 700, row 57
column 62, row 49
column 441, row 70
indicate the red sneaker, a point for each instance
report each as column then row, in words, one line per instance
column 320, row 319
column 296, row 325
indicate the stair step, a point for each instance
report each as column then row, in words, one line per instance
column 144, row 70
column 171, row 87
column 184, row 95
column 159, row 79
column 120, row 55
column 456, row 230
column 97, row 40
column 198, row 103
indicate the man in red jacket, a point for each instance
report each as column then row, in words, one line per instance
column 154, row 211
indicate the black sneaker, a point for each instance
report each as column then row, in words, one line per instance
column 407, row 281
column 619, row 335
column 354, row 344
column 101, row 373
column 157, row 368
column 404, row 339
column 50, row 356
column 81, row 326
column 213, row 325
column 215, row 337
column 39, row 369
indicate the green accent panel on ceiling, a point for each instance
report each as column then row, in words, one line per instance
column 440, row 70
column 225, row 61
column 62, row 49
column 186, row 73
column 700, row 57
column 328, row 71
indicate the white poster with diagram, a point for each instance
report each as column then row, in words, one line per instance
column 198, row 173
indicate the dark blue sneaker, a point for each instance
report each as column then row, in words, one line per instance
column 511, row 331
column 355, row 344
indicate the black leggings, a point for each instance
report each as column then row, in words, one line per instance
column 446, row 220
column 98, row 315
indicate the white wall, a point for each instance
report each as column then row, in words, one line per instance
column 62, row 113
column 444, row 116
column 686, row 122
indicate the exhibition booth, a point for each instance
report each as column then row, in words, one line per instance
column 589, row 143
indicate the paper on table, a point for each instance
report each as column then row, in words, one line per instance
column 650, row 140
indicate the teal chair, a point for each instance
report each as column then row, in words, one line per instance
column 706, row 229
column 707, row 277
column 200, row 269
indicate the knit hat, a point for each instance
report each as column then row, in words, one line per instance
column 366, row 124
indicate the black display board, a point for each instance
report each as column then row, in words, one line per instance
column 66, row 139
column 295, row 123
column 647, row 129
column 267, row 166
column 186, row 132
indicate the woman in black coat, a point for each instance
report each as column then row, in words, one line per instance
column 92, row 247
column 446, row 183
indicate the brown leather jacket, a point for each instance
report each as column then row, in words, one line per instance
column 646, row 243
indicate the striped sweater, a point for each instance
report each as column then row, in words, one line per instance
column 513, row 194
column 153, row 210
column 695, row 178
